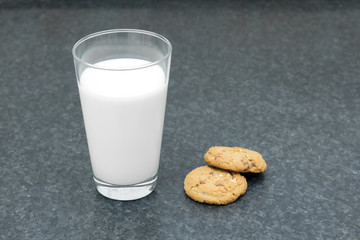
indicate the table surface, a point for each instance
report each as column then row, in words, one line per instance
column 278, row 77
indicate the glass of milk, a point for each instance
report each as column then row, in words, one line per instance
column 123, row 77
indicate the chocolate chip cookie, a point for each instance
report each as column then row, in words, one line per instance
column 214, row 186
column 235, row 159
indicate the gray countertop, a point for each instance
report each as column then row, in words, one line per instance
column 278, row 77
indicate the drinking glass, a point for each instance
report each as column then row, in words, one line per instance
column 123, row 77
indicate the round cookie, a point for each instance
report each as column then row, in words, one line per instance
column 214, row 186
column 235, row 159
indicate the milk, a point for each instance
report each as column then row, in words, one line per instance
column 123, row 114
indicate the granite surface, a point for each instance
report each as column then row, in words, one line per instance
column 278, row 77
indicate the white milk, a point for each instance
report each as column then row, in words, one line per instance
column 124, row 115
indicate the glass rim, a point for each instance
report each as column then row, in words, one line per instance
column 110, row 31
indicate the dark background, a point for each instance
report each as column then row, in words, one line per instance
column 278, row 77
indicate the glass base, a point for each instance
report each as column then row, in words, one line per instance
column 126, row 192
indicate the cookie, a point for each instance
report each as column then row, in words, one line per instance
column 235, row 159
column 214, row 186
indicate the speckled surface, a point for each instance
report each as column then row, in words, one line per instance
column 278, row 77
